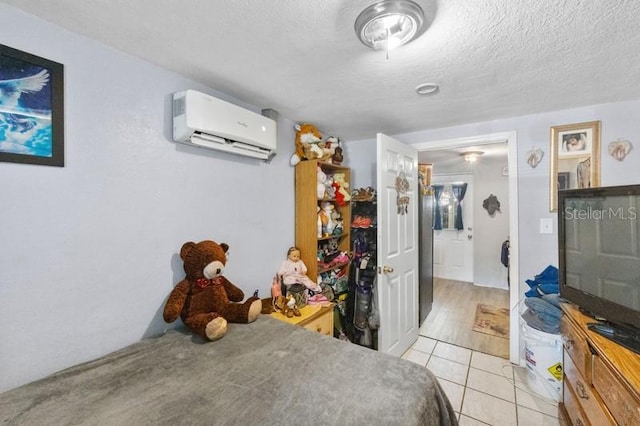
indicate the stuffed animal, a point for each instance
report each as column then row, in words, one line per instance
column 287, row 306
column 337, row 157
column 326, row 151
column 203, row 299
column 342, row 188
column 326, row 208
column 307, row 140
column 322, row 178
column 329, row 190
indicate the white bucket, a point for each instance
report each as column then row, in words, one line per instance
column 543, row 355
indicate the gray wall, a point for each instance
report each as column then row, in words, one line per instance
column 89, row 252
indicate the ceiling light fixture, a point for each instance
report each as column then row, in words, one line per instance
column 471, row 156
column 389, row 23
column 426, row 88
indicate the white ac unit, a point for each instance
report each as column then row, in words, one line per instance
column 202, row 120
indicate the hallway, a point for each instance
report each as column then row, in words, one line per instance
column 452, row 316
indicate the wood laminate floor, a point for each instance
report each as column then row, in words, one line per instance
column 452, row 316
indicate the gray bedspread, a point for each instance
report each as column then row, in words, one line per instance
column 264, row 373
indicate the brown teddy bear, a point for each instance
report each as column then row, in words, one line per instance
column 203, row 298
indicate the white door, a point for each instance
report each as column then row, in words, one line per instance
column 398, row 275
column 453, row 249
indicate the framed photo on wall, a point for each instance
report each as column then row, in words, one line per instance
column 31, row 109
column 575, row 158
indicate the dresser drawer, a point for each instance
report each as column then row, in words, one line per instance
column 323, row 324
column 575, row 344
column 585, row 395
column 623, row 406
column 571, row 404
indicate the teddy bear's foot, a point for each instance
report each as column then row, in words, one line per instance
column 254, row 310
column 216, row 328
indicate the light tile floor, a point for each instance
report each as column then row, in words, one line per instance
column 484, row 389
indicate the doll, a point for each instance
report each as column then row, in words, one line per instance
column 294, row 271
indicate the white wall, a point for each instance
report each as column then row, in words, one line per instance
column 89, row 252
column 490, row 232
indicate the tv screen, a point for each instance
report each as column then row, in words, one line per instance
column 599, row 250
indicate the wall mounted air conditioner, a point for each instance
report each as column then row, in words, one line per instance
column 205, row 121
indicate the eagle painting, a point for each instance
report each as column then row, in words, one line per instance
column 25, row 120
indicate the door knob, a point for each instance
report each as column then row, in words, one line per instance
column 387, row 269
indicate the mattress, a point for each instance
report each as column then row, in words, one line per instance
column 264, row 373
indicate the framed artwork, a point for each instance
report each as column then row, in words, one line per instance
column 425, row 172
column 31, row 109
column 575, row 158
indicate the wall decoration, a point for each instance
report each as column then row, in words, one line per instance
column 619, row 149
column 402, row 187
column 425, row 172
column 491, row 205
column 31, row 109
column 534, row 156
column 575, row 152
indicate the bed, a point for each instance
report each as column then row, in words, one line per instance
column 264, row 373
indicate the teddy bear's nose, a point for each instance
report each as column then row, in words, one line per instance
column 218, row 271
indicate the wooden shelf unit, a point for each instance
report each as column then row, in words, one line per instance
column 601, row 383
column 307, row 204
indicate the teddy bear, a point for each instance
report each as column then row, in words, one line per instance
column 204, row 298
column 307, row 139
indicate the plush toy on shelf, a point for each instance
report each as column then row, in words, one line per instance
column 307, row 139
column 336, row 144
column 341, row 187
column 204, row 298
column 326, row 210
column 322, row 179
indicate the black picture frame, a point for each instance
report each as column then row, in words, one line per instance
column 31, row 109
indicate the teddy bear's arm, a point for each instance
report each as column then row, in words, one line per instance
column 233, row 293
column 175, row 303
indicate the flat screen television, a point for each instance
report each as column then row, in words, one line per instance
column 599, row 257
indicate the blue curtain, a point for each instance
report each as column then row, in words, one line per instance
column 458, row 191
column 437, row 216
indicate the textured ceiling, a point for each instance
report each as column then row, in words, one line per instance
column 491, row 58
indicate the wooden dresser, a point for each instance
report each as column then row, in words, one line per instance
column 314, row 318
column 601, row 378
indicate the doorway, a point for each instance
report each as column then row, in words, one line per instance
column 509, row 294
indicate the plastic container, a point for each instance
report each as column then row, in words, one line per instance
column 543, row 355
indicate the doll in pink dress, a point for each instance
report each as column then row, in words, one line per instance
column 294, row 271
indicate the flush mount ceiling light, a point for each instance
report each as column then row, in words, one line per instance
column 389, row 23
column 471, row 156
